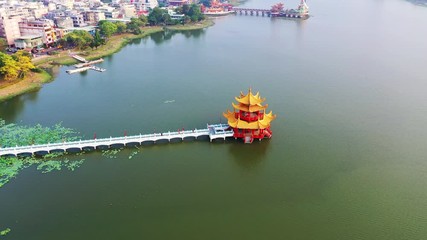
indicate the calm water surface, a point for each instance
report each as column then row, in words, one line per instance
column 348, row 159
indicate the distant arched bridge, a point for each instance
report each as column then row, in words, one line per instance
column 252, row 11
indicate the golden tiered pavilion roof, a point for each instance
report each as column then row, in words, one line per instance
column 241, row 124
column 249, row 102
column 250, row 99
column 249, row 108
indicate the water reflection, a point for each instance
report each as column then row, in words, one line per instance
column 136, row 41
column 84, row 73
column 300, row 23
column 10, row 109
column 109, row 58
column 249, row 156
column 167, row 35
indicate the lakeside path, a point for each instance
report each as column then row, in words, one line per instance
column 114, row 44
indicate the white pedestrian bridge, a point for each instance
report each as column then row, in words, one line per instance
column 213, row 131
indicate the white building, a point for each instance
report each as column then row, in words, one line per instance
column 63, row 22
column 51, row 7
column 43, row 28
column 93, row 17
column 66, row 3
column 128, row 11
column 9, row 28
column 78, row 20
column 28, row 42
column 145, row 5
column 10, row 16
column 36, row 9
column 174, row 15
column 109, row 12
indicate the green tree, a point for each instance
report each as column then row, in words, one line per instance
column 206, row 3
column 137, row 22
column 121, row 27
column 167, row 20
column 158, row 17
column 186, row 19
column 143, row 19
column 97, row 40
column 78, row 38
column 3, row 44
column 23, row 61
column 195, row 13
column 185, row 9
column 134, row 28
column 107, row 28
column 134, row 25
column 9, row 69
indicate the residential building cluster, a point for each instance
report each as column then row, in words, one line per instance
column 29, row 24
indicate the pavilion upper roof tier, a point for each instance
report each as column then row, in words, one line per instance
column 250, row 99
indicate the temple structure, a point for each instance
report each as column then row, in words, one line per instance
column 249, row 119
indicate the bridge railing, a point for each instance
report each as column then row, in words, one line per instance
column 111, row 140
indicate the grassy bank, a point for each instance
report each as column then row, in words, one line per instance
column 113, row 45
column 31, row 82
column 192, row 26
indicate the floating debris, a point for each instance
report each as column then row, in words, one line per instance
column 49, row 166
column 169, row 101
column 5, row 232
column 133, row 154
column 111, row 153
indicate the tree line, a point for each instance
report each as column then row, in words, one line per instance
column 82, row 39
column 192, row 13
column 157, row 17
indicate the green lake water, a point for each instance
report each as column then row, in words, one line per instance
column 348, row 157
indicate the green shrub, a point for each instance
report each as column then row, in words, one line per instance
column 37, row 70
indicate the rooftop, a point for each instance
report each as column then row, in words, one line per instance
column 28, row 37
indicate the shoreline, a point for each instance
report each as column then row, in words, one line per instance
column 115, row 44
column 192, row 26
column 30, row 83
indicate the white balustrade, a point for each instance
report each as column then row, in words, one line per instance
column 213, row 131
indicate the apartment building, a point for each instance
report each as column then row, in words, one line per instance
column 44, row 28
column 9, row 28
column 78, row 20
column 128, row 11
column 63, row 22
column 93, row 17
